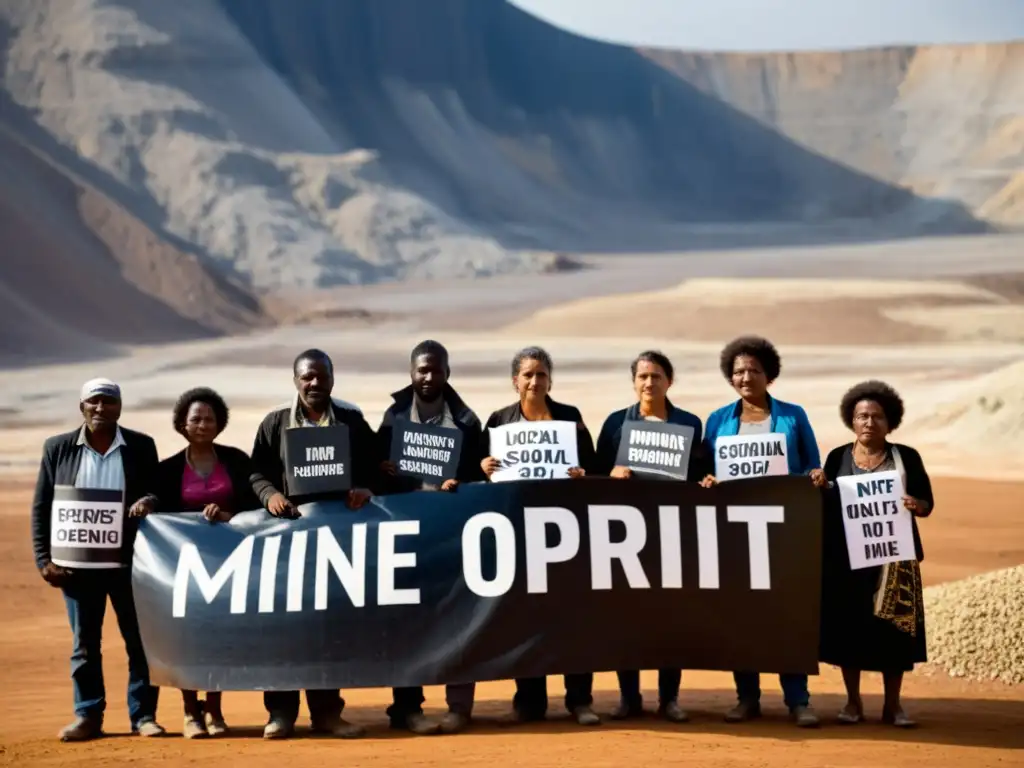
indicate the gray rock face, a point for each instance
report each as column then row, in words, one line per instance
column 294, row 146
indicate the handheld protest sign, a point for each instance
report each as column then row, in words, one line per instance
column 742, row 456
column 656, row 448
column 426, row 451
column 878, row 528
column 534, row 450
column 86, row 527
column 317, row 460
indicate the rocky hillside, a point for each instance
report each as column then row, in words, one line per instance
column 283, row 145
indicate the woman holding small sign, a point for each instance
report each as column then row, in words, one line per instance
column 651, row 438
column 538, row 438
column 213, row 479
column 758, row 436
column 872, row 603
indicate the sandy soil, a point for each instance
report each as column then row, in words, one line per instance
column 974, row 529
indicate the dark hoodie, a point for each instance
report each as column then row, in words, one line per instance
column 468, row 423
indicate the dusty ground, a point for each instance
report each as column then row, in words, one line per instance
column 976, row 527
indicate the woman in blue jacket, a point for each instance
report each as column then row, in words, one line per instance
column 751, row 364
column 652, row 376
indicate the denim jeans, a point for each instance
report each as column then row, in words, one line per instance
column 85, row 596
column 794, row 688
column 668, row 687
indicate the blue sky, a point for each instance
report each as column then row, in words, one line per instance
column 785, row 24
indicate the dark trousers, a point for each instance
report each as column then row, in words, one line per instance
column 85, row 596
column 668, row 687
column 794, row 688
column 409, row 701
column 324, row 706
column 531, row 699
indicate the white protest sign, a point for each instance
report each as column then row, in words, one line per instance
column 86, row 527
column 534, row 450
column 878, row 527
column 740, row 456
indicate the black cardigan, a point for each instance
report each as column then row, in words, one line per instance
column 918, row 483
column 559, row 412
column 59, row 466
column 235, row 461
column 468, row 423
column 268, row 475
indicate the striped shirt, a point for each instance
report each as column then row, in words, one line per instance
column 100, row 472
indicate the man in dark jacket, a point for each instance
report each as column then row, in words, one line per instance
column 103, row 459
column 430, row 399
column 313, row 406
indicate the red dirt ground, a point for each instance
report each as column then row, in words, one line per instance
column 976, row 527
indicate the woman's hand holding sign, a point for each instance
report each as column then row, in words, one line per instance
column 357, row 498
column 490, row 465
column 575, row 472
column 916, row 507
column 279, row 506
column 621, row 473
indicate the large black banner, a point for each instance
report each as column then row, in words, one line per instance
column 492, row 582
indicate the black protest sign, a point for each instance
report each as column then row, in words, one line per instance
column 86, row 528
column 656, row 448
column 317, row 460
column 730, row 575
column 428, row 452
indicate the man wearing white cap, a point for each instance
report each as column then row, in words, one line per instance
column 83, row 537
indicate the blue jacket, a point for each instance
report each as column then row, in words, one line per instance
column 611, row 434
column 786, row 418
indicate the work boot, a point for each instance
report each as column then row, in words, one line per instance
column 624, row 710
column 805, row 717
column 586, row 716
column 278, row 728
column 672, row 712
column 338, row 727
column 215, row 725
column 148, row 728
column 453, row 722
column 83, row 729
column 745, row 710
column 194, row 728
column 420, row 724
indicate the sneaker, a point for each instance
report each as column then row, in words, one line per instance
column 745, row 710
column 673, row 712
column 83, row 729
column 586, row 716
column 194, row 729
column 215, row 725
column 624, row 711
column 899, row 718
column 805, row 717
column 453, row 722
column 339, row 728
column 148, row 728
column 421, row 725
column 278, row 728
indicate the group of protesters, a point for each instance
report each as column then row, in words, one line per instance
column 872, row 618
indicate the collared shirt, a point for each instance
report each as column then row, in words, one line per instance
column 100, row 472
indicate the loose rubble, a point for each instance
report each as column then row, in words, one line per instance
column 976, row 626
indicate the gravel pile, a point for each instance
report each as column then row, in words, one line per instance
column 976, row 626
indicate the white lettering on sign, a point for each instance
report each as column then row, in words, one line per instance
column 879, row 529
column 742, row 456
column 487, row 577
column 320, row 453
column 319, row 470
column 531, row 450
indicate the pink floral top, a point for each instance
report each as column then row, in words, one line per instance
column 198, row 491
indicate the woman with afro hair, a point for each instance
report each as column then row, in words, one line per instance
column 751, row 364
column 873, row 618
column 211, row 478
